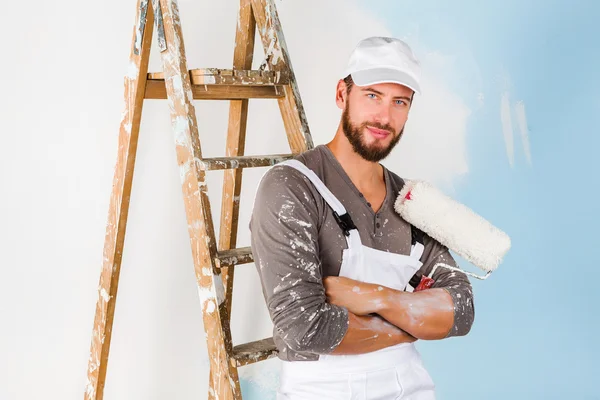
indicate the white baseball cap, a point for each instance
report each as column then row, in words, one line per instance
column 384, row 59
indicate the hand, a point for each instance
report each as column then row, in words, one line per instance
column 379, row 324
column 359, row 298
column 370, row 333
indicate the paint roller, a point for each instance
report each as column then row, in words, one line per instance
column 453, row 225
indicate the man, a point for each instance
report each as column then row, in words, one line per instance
column 338, row 264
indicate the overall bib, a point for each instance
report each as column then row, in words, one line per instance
column 392, row 373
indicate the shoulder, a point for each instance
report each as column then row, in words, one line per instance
column 284, row 184
column 430, row 244
column 396, row 181
column 315, row 160
column 283, row 178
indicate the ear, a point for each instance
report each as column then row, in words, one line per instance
column 341, row 95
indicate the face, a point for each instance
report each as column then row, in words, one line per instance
column 374, row 117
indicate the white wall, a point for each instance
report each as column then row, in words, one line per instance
column 62, row 72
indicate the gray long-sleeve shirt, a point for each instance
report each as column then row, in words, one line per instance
column 296, row 242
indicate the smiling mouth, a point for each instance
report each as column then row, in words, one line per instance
column 378, row 133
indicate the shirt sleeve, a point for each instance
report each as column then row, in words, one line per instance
column 284, row 241
column 456, row 283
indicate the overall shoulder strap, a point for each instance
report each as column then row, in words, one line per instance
column 339, row 211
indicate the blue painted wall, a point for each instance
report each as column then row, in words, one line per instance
column 537, row 316
column 528, row 71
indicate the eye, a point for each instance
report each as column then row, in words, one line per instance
column 400, row 102
column 371, row 95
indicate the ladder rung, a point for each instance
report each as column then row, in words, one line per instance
column 211, row 164
column 217, row 76
column 224, row 84
column 228, row 258
column 249, row 353
column 155, row 89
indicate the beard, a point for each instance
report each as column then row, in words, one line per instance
column 373, row 153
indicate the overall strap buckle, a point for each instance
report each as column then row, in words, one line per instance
column 345, row 222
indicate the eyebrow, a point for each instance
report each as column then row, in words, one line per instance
column 370, row 89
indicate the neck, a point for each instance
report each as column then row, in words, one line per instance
column 364, row 174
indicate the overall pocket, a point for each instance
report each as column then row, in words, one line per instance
column 415, row 381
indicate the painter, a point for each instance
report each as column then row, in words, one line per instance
column 339, row 265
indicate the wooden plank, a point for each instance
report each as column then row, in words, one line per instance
column 224, row 380
column 291, row 108
column 228, row 163
column 134, row 84
column 242, row 76
column 236, row 139
column 155, row 89
column 229, row 258
column 250, row 353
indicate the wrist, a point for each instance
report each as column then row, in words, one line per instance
column 391, row 300
column 379, row 299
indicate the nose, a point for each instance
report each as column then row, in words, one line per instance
column 384, row 114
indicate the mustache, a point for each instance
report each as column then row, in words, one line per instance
column 377, row 125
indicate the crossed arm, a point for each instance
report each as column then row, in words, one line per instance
column 427, row 314
column 444, row 310
column 313, row 314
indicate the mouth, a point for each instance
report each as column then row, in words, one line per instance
column 378, row 133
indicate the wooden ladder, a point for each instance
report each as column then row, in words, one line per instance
column 213, row 264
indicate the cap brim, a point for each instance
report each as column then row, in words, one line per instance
column 385, row 75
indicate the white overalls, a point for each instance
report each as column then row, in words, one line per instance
column 392, row 373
